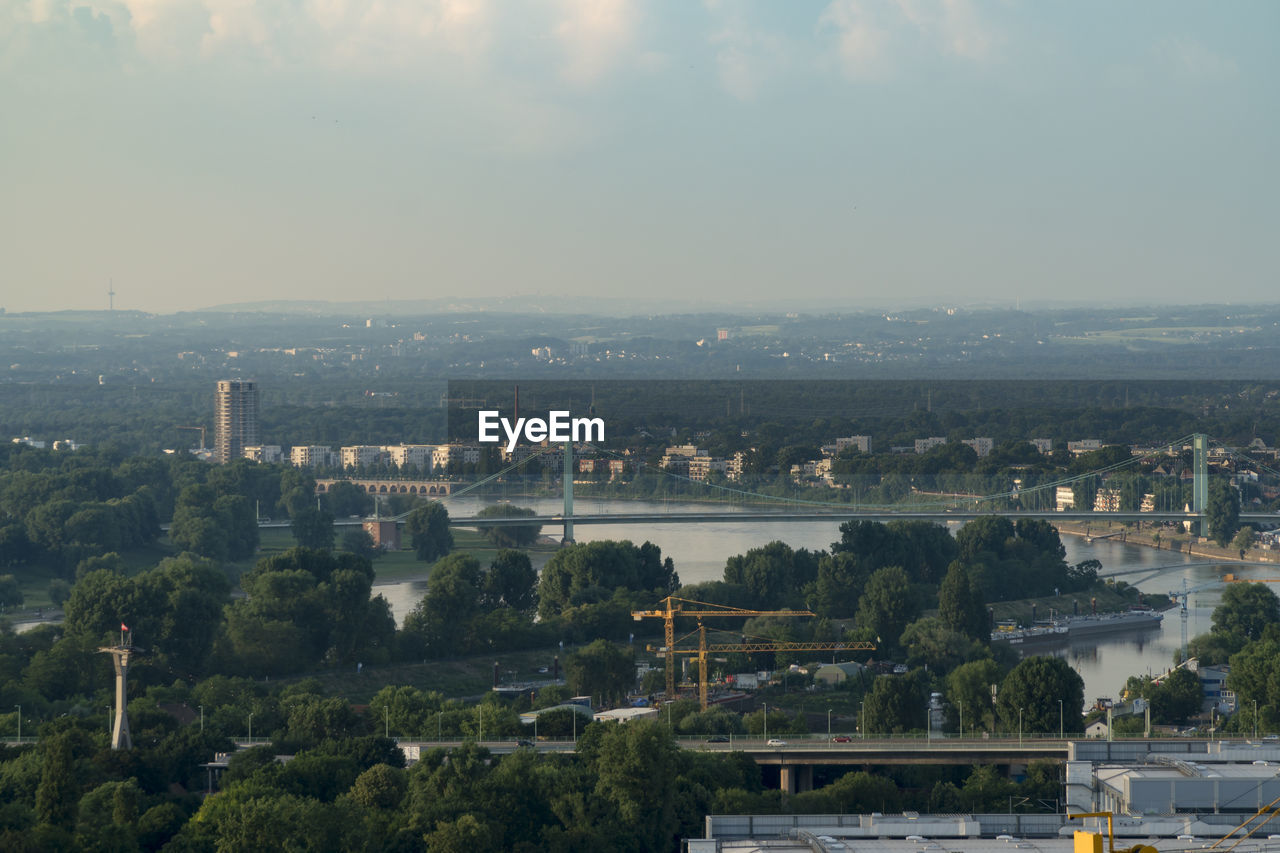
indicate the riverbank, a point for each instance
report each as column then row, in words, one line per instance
column 1163, row 539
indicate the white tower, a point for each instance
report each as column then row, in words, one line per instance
column 120, row 655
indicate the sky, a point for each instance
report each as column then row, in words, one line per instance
column 842, row 153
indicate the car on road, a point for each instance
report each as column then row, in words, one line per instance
column 842, row 739
column 524, row 742
column 718, row 739
column 773, row 741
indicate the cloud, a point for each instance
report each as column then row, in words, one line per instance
column 747, row 56
column 861, row 38
column 870, row 34
column 596, row 36
column 1194, row 59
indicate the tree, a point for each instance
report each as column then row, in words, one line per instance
column 887, row 606
column 428, row 524
column 58, row 793
column 969, row 693
column 509, row 536
column 773, row 574
column 896, row 704
column 313, row 528
column 345, row 498
column 1222, row 513
column 510, row 581
column 10, row 592
column 637, row 768
column 959, row 607
column 1245, row 612
column 1177, row 698
column 930, row 643
column 1028, row 698
column 1243, row 540
column 443, row 620
column 603, row 670
column 359, row 542
column 590, row 572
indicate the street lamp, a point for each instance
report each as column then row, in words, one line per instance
column 960, row 706
column 481, row 738
column 439, row 724
column 1061, row 724
column 250, row 728
column 1255, row 719
column 828, row 725
column 862, row 713
column 1019, row 727
column 766, row 720
column 202, row 718
column 19, row 707
column 386, row 721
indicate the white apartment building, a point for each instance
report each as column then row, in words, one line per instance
column 312, row 456
column 444, row 454
column 361, row 456
column 1044, row 445
column 265, row 453
column 702, row 465
column 411, row 456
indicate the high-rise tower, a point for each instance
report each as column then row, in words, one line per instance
column 235, row 418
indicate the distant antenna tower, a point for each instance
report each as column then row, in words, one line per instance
column 111, row 295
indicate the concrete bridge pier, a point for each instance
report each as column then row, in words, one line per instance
column 795, row 778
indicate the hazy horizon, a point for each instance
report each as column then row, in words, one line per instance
column 848, row 153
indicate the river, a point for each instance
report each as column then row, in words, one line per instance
column 700, row 551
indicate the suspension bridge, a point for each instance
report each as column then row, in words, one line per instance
column 1013, row 503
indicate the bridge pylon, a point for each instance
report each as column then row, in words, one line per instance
column 568, row 494
column 1200, row 481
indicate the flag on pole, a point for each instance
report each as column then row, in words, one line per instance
column 124, row 627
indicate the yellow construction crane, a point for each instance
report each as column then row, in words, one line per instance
column 747, row 648
column 1230, row 578
column 202, row 433
column 673, row 607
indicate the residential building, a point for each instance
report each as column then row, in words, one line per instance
column 862, row 442
column 676, row 459
column 66, row 444
column 235, row 418
column 924, row 445
column 361, row 456
column 981, row 446
column 410, row 457
column 736, row 464
column 30, row 442
column 446, row 454
column 700, row 466
column 312, row 456
column 1044, row 445
column 1107, row 500
column 266, row 453
column 1065, row 498
column 1085, row 445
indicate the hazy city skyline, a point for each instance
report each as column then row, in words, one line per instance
column 841, row 153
